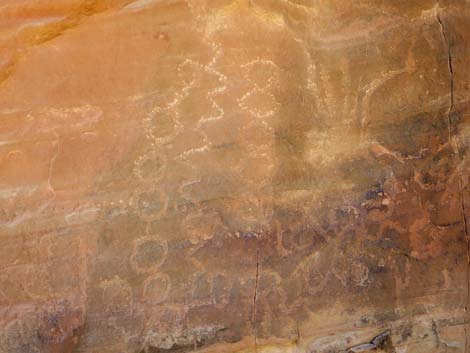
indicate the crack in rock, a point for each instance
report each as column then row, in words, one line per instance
column 461, row 187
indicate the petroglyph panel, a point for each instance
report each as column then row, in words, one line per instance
column 221, row 176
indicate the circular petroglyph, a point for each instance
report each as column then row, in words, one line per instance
column 264, row 78
column 150, row 166
column 151, row 204
column 116, row 294
column 156, row 288
column 201, row 226
column 148, row 254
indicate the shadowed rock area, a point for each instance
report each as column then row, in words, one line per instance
column 221, row 176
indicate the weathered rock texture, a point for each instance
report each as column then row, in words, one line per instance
column 234, row 176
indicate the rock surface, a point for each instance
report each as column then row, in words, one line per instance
column 234, row 176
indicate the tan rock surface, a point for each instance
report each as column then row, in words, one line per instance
column 234, row 176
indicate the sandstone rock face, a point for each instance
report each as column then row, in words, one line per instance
column 234, row 176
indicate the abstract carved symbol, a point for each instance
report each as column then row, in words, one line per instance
column 156, row 288
column 151, row 204
column 150, row 166
column 263, row 77
column 148, row 254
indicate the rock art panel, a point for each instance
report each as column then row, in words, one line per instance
column 251, row 176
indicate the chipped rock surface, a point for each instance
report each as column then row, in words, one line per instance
column 227, row 176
